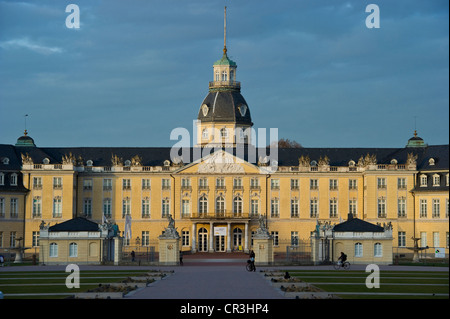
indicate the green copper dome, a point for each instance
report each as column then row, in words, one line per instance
column 25, row 140
column 225, row 61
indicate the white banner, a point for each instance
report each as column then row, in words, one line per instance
column 220, row 231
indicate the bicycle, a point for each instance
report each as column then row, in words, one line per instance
column 250, row 266
column 338, row 265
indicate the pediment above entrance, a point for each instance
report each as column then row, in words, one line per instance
column 220, row 162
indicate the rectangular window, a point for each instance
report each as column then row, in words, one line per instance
column 275, row 184
column 381, row 183
column 185, row 208
column 107, row 184
column 37, row 206
column 378, row 250
column 275, row 238
column 423, row 239
column 35, row 240
column 220, row 182
column 237, row 183
column 254, row 207
column 87, row 207
column 145, row 238
column 57, row 207
column 352, row 184
column 423, row 208
column 146, row 183
column 73, row 250
column 126, row 184
column 203, row 183
column 352, row 207
column 436, row 180
column 165, row 207
column 381, row 207
column 436, row 208
column 57, row 182
column 37, row 183
column 145, row 213
column 294, row 238
column 254, row 183
column 401, row 183
column 294, row 184
column 107, row 208
column 294, row 208
column 185, row 182
column 313, row 184
column 2, row 207
column 87, row 184
column 333, row 208
column 275, row 206
column 126, row 207
column 12, row 239
column 185, row 238
column 313, row 210
column 436, row 242
column 333, row 184
column 53, row 250
column 14, row 212
column 401, row 207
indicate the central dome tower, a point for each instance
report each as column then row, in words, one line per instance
column 224, row 116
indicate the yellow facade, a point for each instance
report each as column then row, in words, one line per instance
column 292, row 199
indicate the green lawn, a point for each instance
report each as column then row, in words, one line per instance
column 401, row 283
column 53, row 282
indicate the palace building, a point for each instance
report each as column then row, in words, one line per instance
column 217, row 189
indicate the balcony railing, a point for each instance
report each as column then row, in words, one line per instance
column 220, row 215
column 225, row 84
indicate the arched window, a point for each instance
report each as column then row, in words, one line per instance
column 73, row 250
column 203, row 205
column 220, row 205
column 53, row 250
column 217, row 76
column 358, row 250
column 237, row 206
column 378, row 250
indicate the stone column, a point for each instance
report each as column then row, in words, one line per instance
column 194, row 238
column 228, row 238
column 211, row 237
column 246, row 238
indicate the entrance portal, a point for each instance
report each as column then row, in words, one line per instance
column 237, row 238
column 202, row 240
column 220, row 243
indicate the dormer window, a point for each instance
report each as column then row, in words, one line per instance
column 5, row 161
column 89, row 163
column 46, row 161
column 431, row 161
column 423, row 181
column 13, row 180
column 436, row 180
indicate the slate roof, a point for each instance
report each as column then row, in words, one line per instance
column 76, row 224
column 155, row 156
column 224, row 107
column 357, row 225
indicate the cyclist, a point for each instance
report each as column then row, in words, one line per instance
column 342, row 259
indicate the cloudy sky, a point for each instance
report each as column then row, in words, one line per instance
column 135, row 70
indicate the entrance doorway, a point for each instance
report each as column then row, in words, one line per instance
column 220, row 243
column 237, row 239
column 202, row 240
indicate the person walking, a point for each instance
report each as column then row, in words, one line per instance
column 252, row 260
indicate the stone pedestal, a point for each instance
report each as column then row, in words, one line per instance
column 169, row 245
column 169, row 251
column 263, row 248
column 117, row 250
